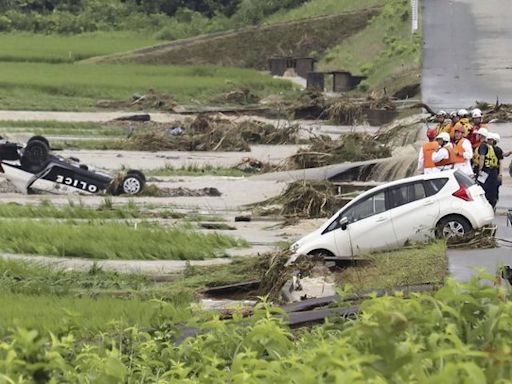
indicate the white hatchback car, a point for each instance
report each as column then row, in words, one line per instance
column 414, row 209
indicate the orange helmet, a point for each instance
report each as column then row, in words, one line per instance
column 431, row 134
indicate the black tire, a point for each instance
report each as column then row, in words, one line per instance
column 132, row 184
column 321, row 253
column 35, row 156
column 39, row 138
column 139, row 173
column 453, row 226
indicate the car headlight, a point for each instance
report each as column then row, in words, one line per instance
column 294, row 246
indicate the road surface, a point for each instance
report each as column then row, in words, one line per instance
column 467, row 57
column 467, row 52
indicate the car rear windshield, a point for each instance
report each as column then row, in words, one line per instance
column 434, row 185
column 463, row 179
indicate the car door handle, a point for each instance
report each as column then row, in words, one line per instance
column 381, row 219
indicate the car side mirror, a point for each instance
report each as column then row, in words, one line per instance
column 343, row 223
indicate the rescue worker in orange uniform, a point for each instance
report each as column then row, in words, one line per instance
column 453, row 119
column 444, row 156
column 425, row 163
column 477, row 123
column 463, row 152
column 463, row 121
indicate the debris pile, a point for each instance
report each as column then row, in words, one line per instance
column 275, row 273
column 240, row 96
column 325, row 151
column 252, row 165
column 498, row 111
column 260, row 133
column 308, row 199
column 482, row 239
column 152, row 100
column 209, row 133
column 344, row 110
column 283, row 282
column 156, row 191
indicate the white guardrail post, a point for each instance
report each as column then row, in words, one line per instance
column 414, row 8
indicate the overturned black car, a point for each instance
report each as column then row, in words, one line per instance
column 33, row 167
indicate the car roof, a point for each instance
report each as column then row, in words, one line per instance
column 437, row 175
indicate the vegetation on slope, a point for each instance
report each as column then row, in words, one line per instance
column 386, row 51
column 252, row 47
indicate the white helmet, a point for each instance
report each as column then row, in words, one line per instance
column 441, row 113
column 493, row 136
column 444, row 136
column 463, row 112
column 475, row 113
column 483, row 132
column 453, row 113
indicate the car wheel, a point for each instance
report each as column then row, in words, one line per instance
column 132, row 184
column 453, row 226
column 35, row 156
column 139, row 173
column 321, row 253
column 39, row 138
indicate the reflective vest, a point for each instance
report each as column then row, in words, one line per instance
column 428, row 150
column 491, row 160
column 450, row 160
column 444, row 127
column 459, row 152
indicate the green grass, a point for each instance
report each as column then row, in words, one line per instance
column 321, row 8
column 408, row 266
column 18, row 277
column 68, row 48
column 196, row 170
column 60, row 314
column 79, row 86
column 383, row 50
column 105, row 211
column 54, row 128
column 80, row 211
column 110, row 240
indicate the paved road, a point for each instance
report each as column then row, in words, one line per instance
column 467, row 52
column 468, row 57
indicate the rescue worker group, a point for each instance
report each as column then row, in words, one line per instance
column 461, row 141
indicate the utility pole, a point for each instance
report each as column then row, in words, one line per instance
column 415, row 17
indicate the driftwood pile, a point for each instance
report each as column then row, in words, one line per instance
column 207, row 133
column 325, row 151
column 342, row 110
column 497, row 111
column 150, row 100
column 308, row 199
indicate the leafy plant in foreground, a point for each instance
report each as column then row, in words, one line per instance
column 461, row 334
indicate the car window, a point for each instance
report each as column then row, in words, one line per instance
column 406, row 193
column 368, row 207
column 434, row 185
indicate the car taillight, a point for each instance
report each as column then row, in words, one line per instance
column 462, row 193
